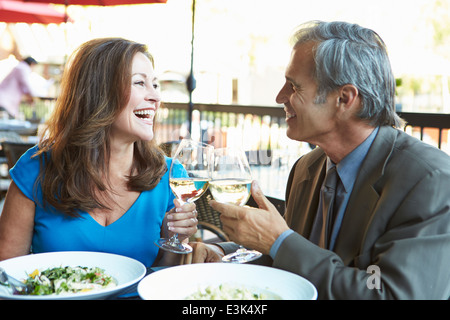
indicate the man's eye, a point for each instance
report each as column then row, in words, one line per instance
column 295, row 88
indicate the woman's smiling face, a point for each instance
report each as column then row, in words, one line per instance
column 135, row 122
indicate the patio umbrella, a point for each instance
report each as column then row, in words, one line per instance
column 12, row 11
column 97, row 2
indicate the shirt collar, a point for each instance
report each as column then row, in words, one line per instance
column 349, row 166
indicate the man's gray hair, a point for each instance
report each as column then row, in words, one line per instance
column 350, row 54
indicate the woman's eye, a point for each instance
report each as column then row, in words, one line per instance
column 139, row 83
column 156, row 85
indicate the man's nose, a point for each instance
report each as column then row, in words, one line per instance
column 281, row 96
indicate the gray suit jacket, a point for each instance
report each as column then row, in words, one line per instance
column 397, row 218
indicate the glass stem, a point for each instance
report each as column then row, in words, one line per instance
column 174, row 239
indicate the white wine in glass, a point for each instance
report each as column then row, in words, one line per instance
column 231, row 190
column 188, row 189
column 189, row 177
column 231, row 183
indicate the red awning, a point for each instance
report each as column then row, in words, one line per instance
column 13, row 11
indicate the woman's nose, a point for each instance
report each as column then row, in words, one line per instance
column 153, row 94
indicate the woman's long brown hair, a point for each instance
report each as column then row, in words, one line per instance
column 94, row 89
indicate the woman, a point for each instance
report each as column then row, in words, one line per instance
column 97, row 181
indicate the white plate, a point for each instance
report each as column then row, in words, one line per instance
column 176, row 283
column 124, row 270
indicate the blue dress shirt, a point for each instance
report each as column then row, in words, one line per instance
column 347, row 170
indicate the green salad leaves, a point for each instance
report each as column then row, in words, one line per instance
column 65, row 280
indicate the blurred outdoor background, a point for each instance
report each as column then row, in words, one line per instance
column 241, row 46
column 241, row 49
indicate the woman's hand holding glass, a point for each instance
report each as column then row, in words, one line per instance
column 181, row 220
column 189, row 176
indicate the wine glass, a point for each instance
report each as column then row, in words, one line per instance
column 231, row 183
column 189, row 176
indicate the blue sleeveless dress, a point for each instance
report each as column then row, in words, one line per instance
column 132, row 235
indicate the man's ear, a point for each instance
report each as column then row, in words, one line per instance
column 348, row 96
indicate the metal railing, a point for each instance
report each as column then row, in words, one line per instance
column 255, row 128
column 222, row 124
column 263, row 128
column 429, row 124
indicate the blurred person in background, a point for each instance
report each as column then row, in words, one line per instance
column 17, row 86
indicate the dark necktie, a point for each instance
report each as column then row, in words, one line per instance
column 328, row 204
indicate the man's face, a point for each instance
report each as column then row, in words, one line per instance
column 307, row 121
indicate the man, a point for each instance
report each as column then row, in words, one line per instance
column 388, row 236
column 15, row 86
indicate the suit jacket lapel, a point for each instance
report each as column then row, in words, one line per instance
column 305, row 186
column 360, row 208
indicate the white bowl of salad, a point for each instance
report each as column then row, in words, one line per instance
column 72, row 275
column 225, row 281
